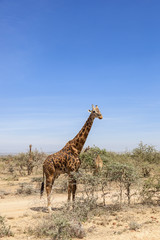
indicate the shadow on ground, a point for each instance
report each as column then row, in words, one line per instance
column 44, row 209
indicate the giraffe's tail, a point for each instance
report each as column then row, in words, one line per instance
column 42, row 185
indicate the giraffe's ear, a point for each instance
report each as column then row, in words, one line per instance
column 89, row 111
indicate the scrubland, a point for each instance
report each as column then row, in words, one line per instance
column 120, row 201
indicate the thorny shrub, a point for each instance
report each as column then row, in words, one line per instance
column 21, row 164
column 26, row 189
column 4, row 229
column 151, row 190
column 123, row 174
column 146, row 153
column 67, row 222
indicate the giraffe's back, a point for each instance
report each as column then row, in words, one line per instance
column 56, row 161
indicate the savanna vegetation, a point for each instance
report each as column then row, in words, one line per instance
column 126, row 179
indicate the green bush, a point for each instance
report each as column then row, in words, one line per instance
column 151, row 190
column 87, row 158
column 146, row 153
column 125, row 175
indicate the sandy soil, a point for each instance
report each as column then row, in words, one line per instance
column 130, row 223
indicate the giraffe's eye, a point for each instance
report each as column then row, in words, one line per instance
column 93, row 111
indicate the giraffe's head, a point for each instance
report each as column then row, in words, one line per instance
column 95, row 111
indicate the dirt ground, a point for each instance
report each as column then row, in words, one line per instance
column 136, row 222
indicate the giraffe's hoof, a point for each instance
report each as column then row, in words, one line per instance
column 49, row 210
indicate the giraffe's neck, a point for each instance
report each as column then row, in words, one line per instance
column 80, row 138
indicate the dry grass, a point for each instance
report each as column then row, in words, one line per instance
column 117, row 203
column 5, row 230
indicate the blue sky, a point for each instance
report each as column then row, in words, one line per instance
column 58, row 57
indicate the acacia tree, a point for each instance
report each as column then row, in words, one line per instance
column 123, row 174
column 146, row 153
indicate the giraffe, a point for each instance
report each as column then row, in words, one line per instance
column 30, row 161
column 67, row 159
column 98, row 164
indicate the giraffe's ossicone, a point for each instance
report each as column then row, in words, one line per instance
column 67, row 159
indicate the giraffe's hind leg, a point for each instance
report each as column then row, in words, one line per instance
column 49, row 184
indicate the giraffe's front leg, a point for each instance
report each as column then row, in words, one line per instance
column 74, row 165
column 72, row 187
